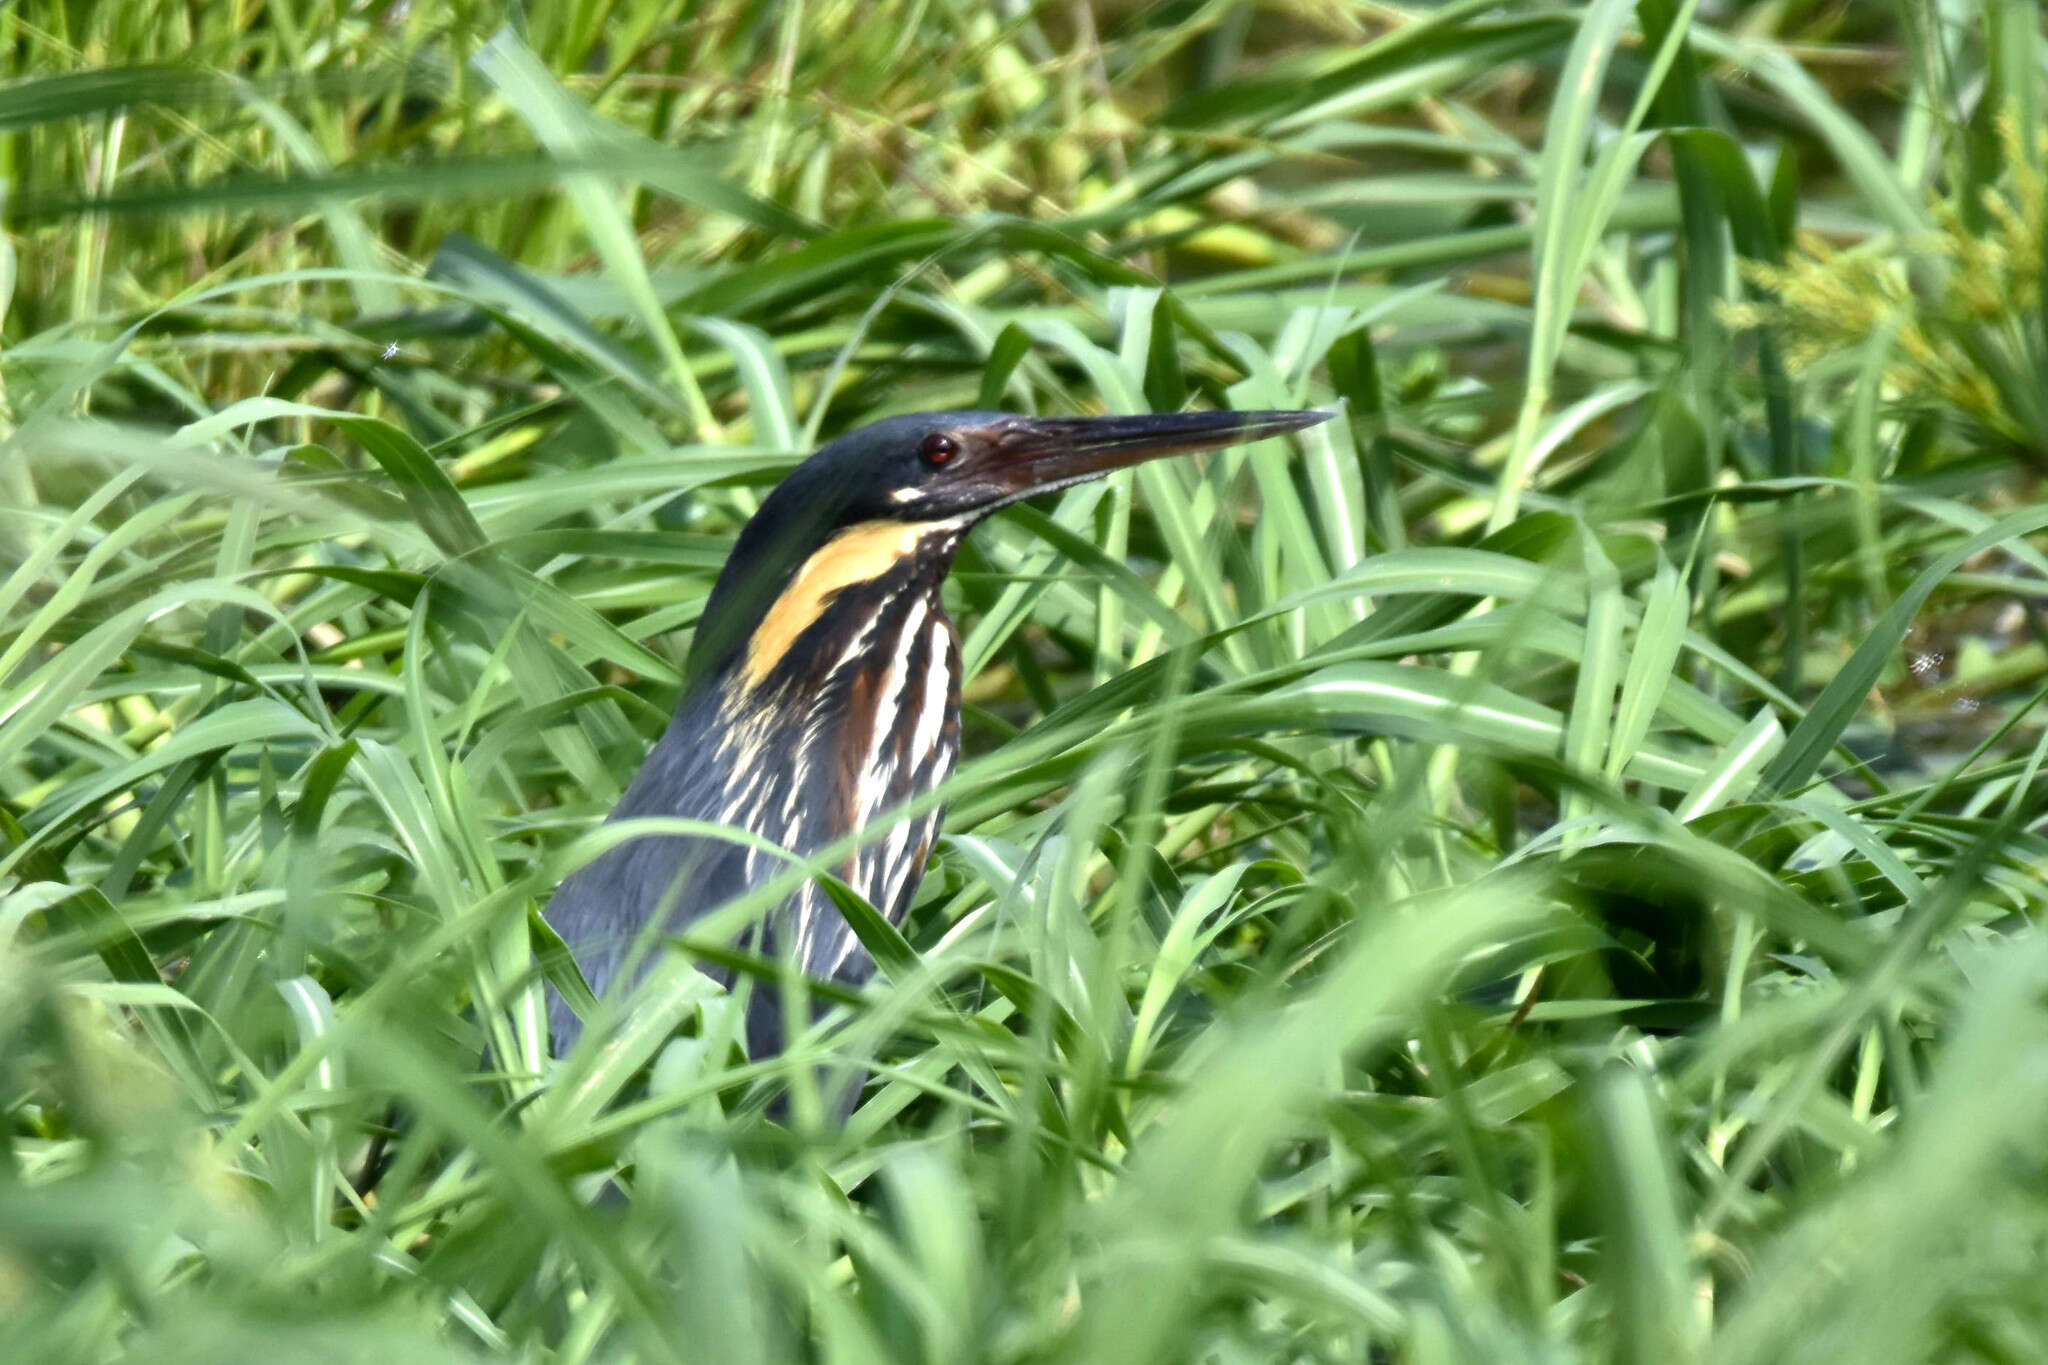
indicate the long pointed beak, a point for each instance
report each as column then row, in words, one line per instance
column 1037, row 453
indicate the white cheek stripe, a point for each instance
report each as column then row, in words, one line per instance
column 889, row 702
column 937, row 680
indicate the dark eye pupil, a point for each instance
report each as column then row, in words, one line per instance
column 939, row 449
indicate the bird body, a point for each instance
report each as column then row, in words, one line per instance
column 823, row 685
column 800, row 740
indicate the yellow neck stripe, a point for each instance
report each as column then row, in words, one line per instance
column 859, row 554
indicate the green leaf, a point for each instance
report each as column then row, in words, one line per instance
column 1822, row 726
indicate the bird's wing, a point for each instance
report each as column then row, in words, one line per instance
column 601, row 909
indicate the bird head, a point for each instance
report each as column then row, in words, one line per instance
column 895, row 496
column 948, row 467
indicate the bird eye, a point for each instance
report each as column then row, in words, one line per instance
column 939, row 449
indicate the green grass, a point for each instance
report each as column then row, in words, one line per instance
column 1545, row 867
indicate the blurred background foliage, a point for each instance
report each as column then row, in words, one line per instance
column 1543, row 868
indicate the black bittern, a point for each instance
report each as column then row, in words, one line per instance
column 824, row 682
